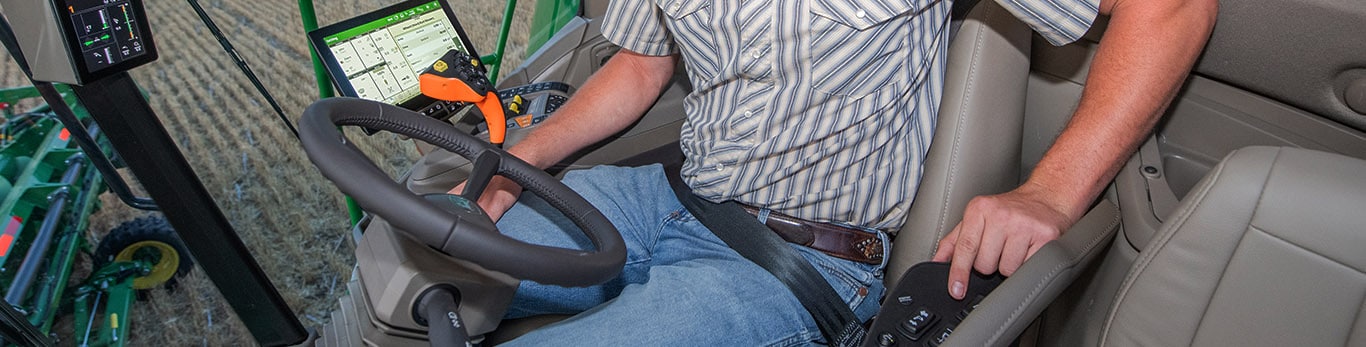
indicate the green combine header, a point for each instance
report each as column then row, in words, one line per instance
column 49, row 190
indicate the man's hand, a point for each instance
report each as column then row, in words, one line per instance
column 1148, row 48
column 498, row 197
column 613, row 98
column 999, row 232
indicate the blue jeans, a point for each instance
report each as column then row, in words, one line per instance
column 681, row 284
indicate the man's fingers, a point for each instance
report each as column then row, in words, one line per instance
column 1035, row 248
column 1013, row 256
column 945, row 249
column 959, row 270
column 964, row 255
column 989, row 249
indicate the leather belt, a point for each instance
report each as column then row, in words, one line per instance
column 833, row 239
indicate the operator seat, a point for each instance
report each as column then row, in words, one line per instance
column 1265, row 251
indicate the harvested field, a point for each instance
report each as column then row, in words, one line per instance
column 292, row 219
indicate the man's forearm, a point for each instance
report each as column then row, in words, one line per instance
column 613, row 98
column 1145, row 56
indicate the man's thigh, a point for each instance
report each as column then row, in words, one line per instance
column 636, row 200
column 701, row 302
column 681, row 284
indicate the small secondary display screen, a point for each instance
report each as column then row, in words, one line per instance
column 380, row 55
column 107, row 32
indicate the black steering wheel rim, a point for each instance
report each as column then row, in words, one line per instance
column 356, row 175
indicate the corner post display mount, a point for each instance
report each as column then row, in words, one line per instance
column 79, row 41
column 91, row 44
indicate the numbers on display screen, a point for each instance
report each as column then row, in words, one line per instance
column 106, row 31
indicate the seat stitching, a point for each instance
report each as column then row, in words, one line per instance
column 1219, row 283
column 1361, row 307
column 1114, row 223
column 1307, row 250
column 968, row 90
column 1144, row 259
column 1241, row 248
column 1158, row 245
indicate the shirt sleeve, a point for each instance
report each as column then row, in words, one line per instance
column 638, row 26
column 1059, row 21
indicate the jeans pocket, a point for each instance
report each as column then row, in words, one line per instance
column 853, row 281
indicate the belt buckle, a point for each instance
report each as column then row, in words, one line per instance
column 871, row 249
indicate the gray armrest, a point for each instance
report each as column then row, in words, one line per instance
column 1009, row 309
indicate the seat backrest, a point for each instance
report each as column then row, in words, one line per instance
column 1268, row 250
column 976, row 145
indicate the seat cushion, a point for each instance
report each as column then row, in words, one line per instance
column 1266, row 251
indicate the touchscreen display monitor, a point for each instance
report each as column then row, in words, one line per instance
column 378, row 56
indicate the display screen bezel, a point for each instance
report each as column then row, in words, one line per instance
column 83, row 73
column 317, row 38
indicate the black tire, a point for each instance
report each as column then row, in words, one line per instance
column 147, row 238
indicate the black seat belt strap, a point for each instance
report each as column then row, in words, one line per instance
column 756, row 242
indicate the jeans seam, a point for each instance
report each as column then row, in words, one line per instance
column 648, row 243
column 802, row 337
column 649, row 247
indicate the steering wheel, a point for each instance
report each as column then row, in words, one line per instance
column 454, row 224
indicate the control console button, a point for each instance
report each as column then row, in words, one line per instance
column 905, row 300
column 972, row 305
column 915, row 327
column 939, row 337
column 886, row 340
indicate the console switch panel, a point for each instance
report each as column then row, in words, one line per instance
column 920, row 312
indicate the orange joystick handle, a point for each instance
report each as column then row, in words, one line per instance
column 457, row 77
column 494, row 115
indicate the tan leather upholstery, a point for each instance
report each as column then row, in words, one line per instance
column 977, row 151
column 1269, row 250
column 976, row 145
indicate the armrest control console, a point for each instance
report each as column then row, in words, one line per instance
column 920, row 312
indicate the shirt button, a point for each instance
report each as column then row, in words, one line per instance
column 720, row 167
column 859, row 14
column 748, row 114
column 675, row 8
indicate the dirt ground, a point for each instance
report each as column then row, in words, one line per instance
column 292, row 219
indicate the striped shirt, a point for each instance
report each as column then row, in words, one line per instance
column 818, row 109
